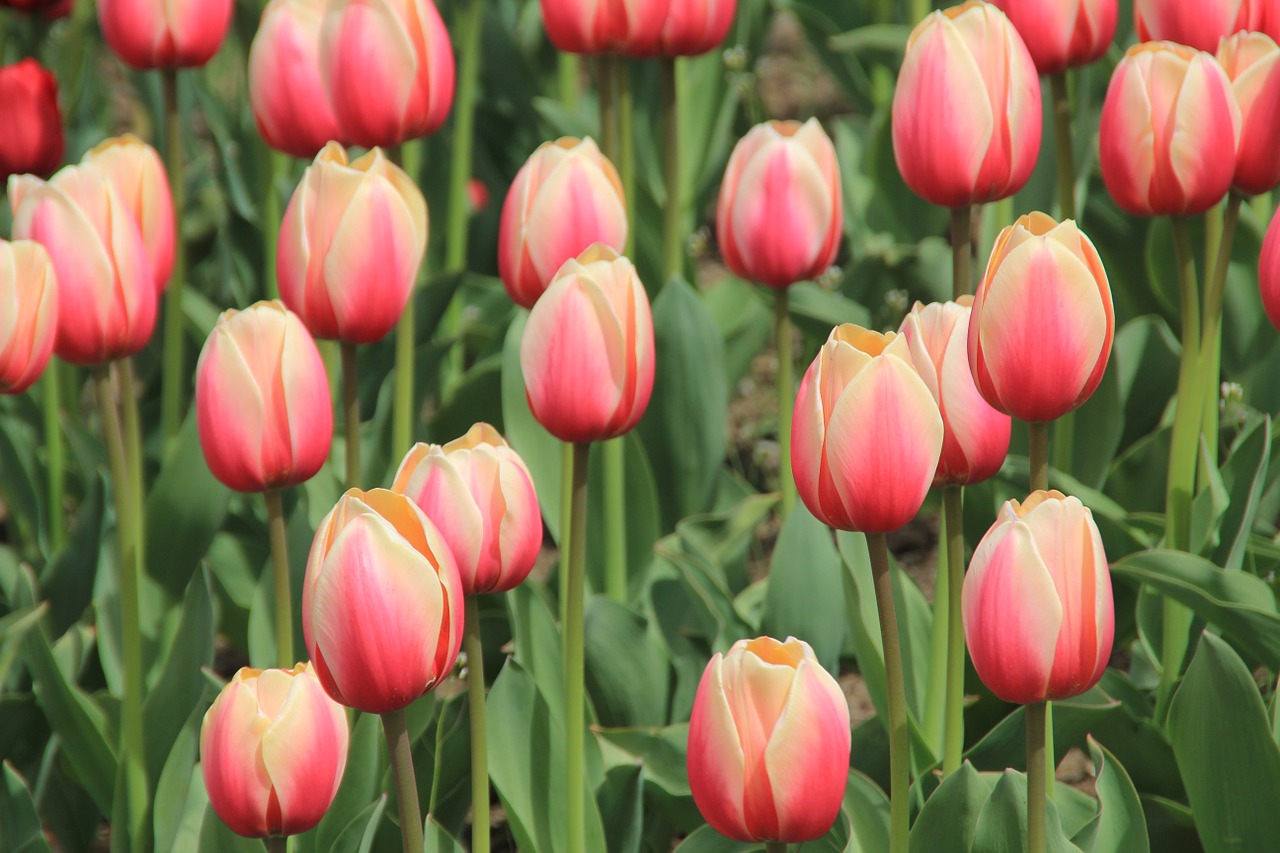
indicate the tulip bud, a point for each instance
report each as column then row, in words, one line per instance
column 382, row 604
column 286, row 88
column 966, row 111
column 351, row 242
column 565, row 198
column 628, row 27
column 273, row 747
column 1169, row 130
column 866, row 434
column 1061, row 35
column 479, row 494
column 1269, row 272
column 780, row 215
column 163, row 34
column 1042, row 322
column 262, row 400
column 29, row 319
column 138, row 175
column 1038, row 616
column 1199, row 25
column 975, row 436
column 769, row 737
column 106, row 290
column 695, row 27
column 49, row 9
column 587, row 352
column 1252, row 63
column 32, row 139
column 388, row 65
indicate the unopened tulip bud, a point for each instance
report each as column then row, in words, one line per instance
column 32, row 140
column 135, row 170
column 1199, row 24
column 1062, row 34
column 1252, row 63
column 606, row 26
column 695, row 27
column 29, row 317
column 163, row 34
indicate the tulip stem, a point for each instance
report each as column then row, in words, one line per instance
column 899, row 746
column 280, row 566
column 566, row 513
column 961, row 250
column 608, row 108
column 277, row 844
column 1038, row 453
column 1066, row 154
column 775, row 847
column 1037, row 778
column 467, row 34
column 271, row 214
column 953, row 733
column 479, row 729
column 567, row 72
column 1211, row 333
column 626, row 145
column 786, row 396
column 351, row 410
column 175, row 376
column 615, row 515
column 55, row 456
column 574, row 711
column 402, row 412
column 401, row 752
column 133, row 452
column 672, row 242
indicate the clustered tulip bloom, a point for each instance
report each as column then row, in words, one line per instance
column 1269, row 272
column 768, row 755
column 630, row 27
column 50, row 9
column 351, row 242
column 1252, row 63
column 138, row 175
column 1169, row 131
column 867, row 434
column 1038, row 614
column 262, row 400
column 479, row 494
column 695, row 27
column 273, row 747
column 29, row 316
column 382, row 605
column 1062, row 34
column 1199, row 25
column 966, row 111
column 780, row 214
column 565, row 198
column 286, row 88
column 588, row 353
column 154, row 34
column 1042, row 322
column 975, row 436
column 32, row 140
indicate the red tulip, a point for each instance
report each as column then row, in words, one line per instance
column 1252, row 63
column 631, row 27
column 32, row 138
column 138, row 175
column 1200, row 24
column 163, row 34
column 1269, row 272
column 50, row 9
column 29, row 321
column 1062, row 34
column 1260, row 16
column 695, row 27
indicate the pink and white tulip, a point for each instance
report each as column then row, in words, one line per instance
column 162, row 33
column 1252, row 63
column 694, row 27
column 630, row 27
column 1062, row 34
column 134, row 168
column 29, row 317
column 1200, row 24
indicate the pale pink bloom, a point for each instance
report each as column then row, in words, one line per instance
column 28, row 313
column 164, row 33
column 1252, row 63
column 136, row 171
column 631, row 27
column 1062, row 34
column 694, row 27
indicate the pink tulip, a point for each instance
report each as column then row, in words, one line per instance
column 351, row 242
column 867, row 434
column 1260, row 16
column 565, row 198
column 975, row 436
column 966, row 112
column 286, row 87
column 631, row 27
column 1252, row 63
column 273, row 747
column 382, row 604
column 1269, row 272
column 262, row 400
column 587, row 352
column 1199, row 24
column 695, row 27
column 135, row 170
column 29, row 318
column 780, row 216
column 1038, row 616
column 479, row 494
column 1062, row 34
column 1042, row 322
column 106, row 290
column 1169, row 131
column 32, row 140
column 388, row 65
column 768, row 755
column 164, row 34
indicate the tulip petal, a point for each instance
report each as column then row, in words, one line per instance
column 231, row 761
column 305, row 745
column 717, row 771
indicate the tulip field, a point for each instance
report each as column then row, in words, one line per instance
column 639, row 426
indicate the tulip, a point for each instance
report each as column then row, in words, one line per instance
column 587, row 352
column 273, row 747
column 32, row 139
column 106, row 291
column 138, row 175
column 351, row 242
column 382, row 604
column 966, row 111
column 388, row 66
column 975, row 436
column 1269, row 272
column 1199, row 25
column 1042, row 322
column 768, row 753
column 1260, row 16
column 50, row 9
column 1252, row 63
column 286, row 87
column 1169, row 131
column 1038, row 616
column 29, row 320
column 780, row 217
column 565, row 198
column 480, row 495
column 867, row 433
column 630, row 27
column 163, row 34
column 262, row 400
column 1061, row 35
column 694, row 27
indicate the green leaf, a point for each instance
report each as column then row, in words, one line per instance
column 622, row 807
column 866, row 809
column 20, row 828
column 1121, row 826
column 68, row 578
column 627, row 669
column 879, row 38
column 949, row 819
column 805, row 594
column 216, row 837
column 173, row 799
column 438, row 840
column 1244, row 476
column 1002, row 825
column 361, row 781
column 359, row 834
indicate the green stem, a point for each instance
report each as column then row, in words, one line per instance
column 466, row 34
column 437, row 763
column 402, row 410
column 133, row 452
column 786, row 396
column 608, row 108
column 920, row 8
column 566, row 513
column 775, row 847
column 175, row 375
column 271, row 214
column 401, row 752
column 277, row 844
column 953, row 737
column 615, row 518
column 626, row 145
column 574, row 700
column 351, row 411
column 1211, row 333
column 935, row 708
column 280, row 566
column 1066, row 154
column 672, row 236
column 479, row 729
column 961, row 250
column 899, row 746
column 1037, row 793
column 1038, row 453
column 567, row 75
column 55, row 455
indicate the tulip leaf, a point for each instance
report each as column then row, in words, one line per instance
column 1121, row 827
column 174, row 799
column 949, row 819
column 359, row 834
column 805, row 596
column 436, row 839
column 1244, row 476
column 1146, row 367
column 642, row 520
column 1171, row 826
column 262, row 613
column 20, row 827
column 1002, row 824
column 744, row 322
column 662, row 754
column 622, row 807
column 1230, row 763
column 866, row 810
column 68, row 578
column 361, row 781
column 627, row 672
column 217, row 837
column 707, row 840
column 540, row 450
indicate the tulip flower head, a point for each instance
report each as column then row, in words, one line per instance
column 163, row 34
column 780, row 214
column 1252, row 63
column 135, row 170
column 32, row 141
column 1269, row 272
column 1062, row 34
column 1199, row 25
column 29, row 318
column 1038, row 613
column 479, row 494
column 694, row 27
column 769, row 738
column 966, row 111
column 273, row 747
column 1260, row 16
column 866, row 434
column 630, row 27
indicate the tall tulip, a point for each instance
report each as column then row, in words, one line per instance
column 29, row 319
column 630, row 27
column 134, row 168
column 1199, row 25
column 1252, row 63
column 1061, row 35
column 160, row 34
column 32, row 140
column 694, row 27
